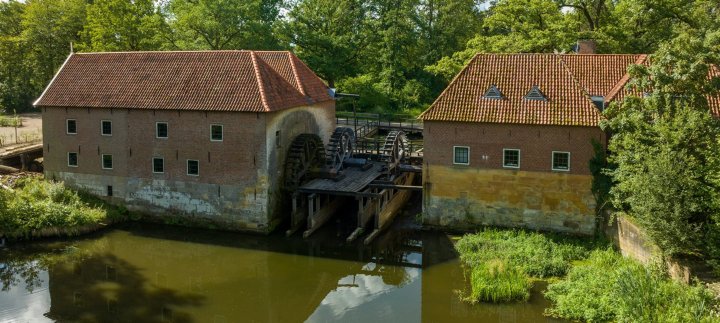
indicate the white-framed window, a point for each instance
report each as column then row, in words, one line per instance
column 70, row 126
column 72, row 159
column 106, row 128
column 158, row 165
column 461, row 155
column 107, row 161
column 511, row 158
column 193, row 167
column 216, row 132
column 561, row 161
column 161, row 130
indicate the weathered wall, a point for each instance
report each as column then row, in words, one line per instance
column 282, row 128
column 234, row 185
column 465, row 198
column 633, row 242
column 485, row 193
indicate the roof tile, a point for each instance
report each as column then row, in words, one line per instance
column 203, row 80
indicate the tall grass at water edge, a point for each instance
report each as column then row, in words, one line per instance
column 503, row 263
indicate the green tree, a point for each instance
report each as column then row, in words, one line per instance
column 329, row 36
column 665, row 147
column 15, row 74
column 224, row 24
column 121, row 25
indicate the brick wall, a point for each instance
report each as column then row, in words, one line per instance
column 235, row 185
column 486, row 193
column 487, row 141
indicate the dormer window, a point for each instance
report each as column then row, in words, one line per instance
column 535, row 94
column 493, row 93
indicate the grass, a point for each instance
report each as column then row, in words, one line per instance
column 10, row 121
column 36, row 204
column 609, row 287
column 503, row 263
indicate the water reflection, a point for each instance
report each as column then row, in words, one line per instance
column 149, row 273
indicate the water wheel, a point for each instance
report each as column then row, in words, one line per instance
column 306, row 154
column 395, row 148
column 340, row 148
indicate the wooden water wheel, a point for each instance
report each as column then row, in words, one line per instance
column 306, row 154
column 340, row 149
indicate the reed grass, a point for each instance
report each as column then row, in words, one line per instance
column 503, row 263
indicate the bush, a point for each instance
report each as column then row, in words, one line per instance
column 610, row 287
column 502, row 262
column 37, row 204
column 7, row 121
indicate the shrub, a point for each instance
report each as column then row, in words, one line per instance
column 610, row 287
column 37, row 204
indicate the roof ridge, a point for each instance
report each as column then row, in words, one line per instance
column 258, row 78
column 300, row 84
column 444, row 92
column 623, row 81
column 574, row 78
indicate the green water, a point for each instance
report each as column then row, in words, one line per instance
column 152, row 273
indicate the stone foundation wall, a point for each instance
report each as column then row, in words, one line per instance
column 234, row 207
column 464, row 198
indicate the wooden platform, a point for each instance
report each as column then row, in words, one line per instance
column 352, row 184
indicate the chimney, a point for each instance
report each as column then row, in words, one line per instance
column 586, row 46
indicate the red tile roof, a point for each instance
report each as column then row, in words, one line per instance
column 598, row 74
column 568, row 96
column 203, row 80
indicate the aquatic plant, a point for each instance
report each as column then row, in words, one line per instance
column 503, row 262
column 609, row 287
column 496, row 282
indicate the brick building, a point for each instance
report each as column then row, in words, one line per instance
column 200, row 135
column 509, row 141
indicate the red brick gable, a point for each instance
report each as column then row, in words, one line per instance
column 202, row 80
column 568, row 103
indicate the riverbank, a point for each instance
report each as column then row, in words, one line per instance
column 589, row 281
column 32, row 208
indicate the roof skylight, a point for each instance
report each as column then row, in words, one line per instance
column 535, row 94
column 493, row 93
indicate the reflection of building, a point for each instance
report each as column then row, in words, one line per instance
column 508, row 142
column 200, row 134
column 158, row 277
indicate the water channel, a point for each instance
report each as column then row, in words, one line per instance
column 138, row 272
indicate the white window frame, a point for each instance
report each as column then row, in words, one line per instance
column 76, row 159
column 167, row 130
column 152, row 165
column 101, row 128
column 187, row 167
column 468, row 155
column 552, row 160
column 503, row 159
column 222, row 132
column 102, row 161
column 67, row 123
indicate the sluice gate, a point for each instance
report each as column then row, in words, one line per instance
column 378, row 183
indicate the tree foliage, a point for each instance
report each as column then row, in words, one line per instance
column 664, row 145
column 402, row 53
